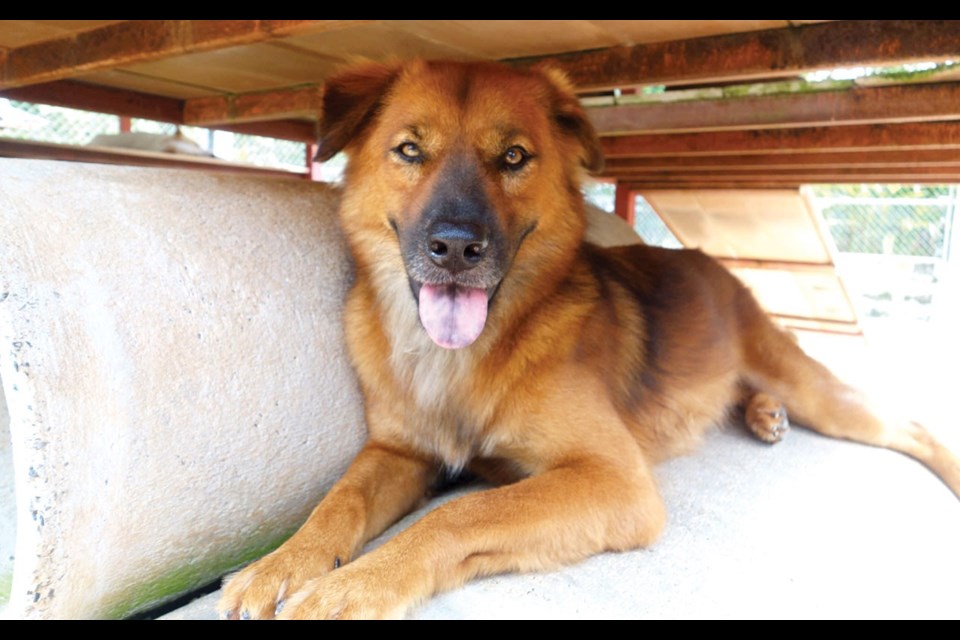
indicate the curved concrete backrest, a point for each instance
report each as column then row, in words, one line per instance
column 171, row 359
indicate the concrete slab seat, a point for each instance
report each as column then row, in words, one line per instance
column 176, row 398
column 174, row 371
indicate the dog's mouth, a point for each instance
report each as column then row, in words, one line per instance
column 453, row 315
column 454, row 308
column 454, row 297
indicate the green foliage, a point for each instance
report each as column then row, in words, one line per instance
column 880, row 190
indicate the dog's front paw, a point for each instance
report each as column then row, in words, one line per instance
column 358, row 591
column 261, row 590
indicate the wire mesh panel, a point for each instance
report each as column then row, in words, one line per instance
column 267, row 152
column 891, row 244
column 73, row 126
column 60, row 125
column 651, row 227
column 887, row 226
column 646, row 222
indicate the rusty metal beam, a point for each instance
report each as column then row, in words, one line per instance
column 924, row 135
column 769, row 183
column 624, row 204
column 867, row 174
column 862, row 105
column 761, row 54
column 835, row 160
column 79, row 95
column 774, row 177
column 142, row 41
column 653, row 185
column 299, row 102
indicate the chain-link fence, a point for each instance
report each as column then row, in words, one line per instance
column 72, row 126
column 61, row 125
column 892, row 250
column 887, row 226
column 646, row 221
column 649, row 226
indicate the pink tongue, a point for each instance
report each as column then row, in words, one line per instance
column 453, row 316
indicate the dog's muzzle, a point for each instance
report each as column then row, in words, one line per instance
column 454, row 315
column 455, row 255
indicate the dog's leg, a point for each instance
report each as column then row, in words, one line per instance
column 560, row 516
column 380, row 486
column 589, row 489
column 816, row 398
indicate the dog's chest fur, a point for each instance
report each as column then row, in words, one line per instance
column 443, row 416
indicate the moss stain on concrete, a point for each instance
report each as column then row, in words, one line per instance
column 182, row 580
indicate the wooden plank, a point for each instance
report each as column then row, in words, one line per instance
column 79, row 95
column 780, row 182
column 141, row 41
column 630, row 32
column 261, row 66
column 299, row 102
column 850, row 174
column 774, row 184
column 860, row 105
column 924, row 135
column 761, row 54
column 19, row 33
column 775, row 181
column 508, row 38
column 831, row 160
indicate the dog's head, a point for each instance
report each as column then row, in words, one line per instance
column 467, row 173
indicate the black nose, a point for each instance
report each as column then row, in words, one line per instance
column 456, row 246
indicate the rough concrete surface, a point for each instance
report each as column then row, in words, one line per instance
column 810, row 528
column 172, row 361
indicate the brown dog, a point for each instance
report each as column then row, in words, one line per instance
column 488, row 335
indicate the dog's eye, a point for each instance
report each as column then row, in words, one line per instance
column 515, row 157
column 410, row 152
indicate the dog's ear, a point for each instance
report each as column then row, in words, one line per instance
column 350, row 99
column 572, row 119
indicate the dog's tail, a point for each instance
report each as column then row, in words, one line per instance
column 816, row 398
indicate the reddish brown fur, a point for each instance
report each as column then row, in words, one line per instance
column 593, row 365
